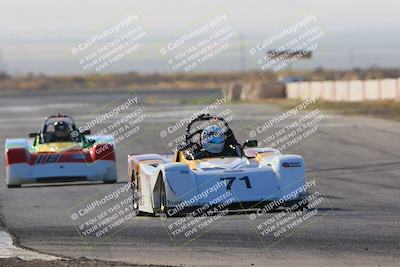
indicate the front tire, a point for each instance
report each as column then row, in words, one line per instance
column 135, row 196
column 163, row 201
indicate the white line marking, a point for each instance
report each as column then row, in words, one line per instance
column 8, row 250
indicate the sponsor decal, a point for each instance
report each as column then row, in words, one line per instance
column 47, row 158
column 291, row 164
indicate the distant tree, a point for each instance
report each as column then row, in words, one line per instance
column 4, row 76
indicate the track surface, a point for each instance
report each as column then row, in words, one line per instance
column 355, row 160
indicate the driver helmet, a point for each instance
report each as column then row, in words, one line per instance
column 61, row 129
column 212, row 139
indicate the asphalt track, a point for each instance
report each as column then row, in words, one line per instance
column 355, row 161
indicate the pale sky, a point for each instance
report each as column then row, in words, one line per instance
column 34, row 35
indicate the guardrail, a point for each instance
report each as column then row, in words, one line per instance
column 353, row 90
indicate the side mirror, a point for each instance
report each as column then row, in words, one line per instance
column 250, row 143
column 33, row 135
column 87, row 132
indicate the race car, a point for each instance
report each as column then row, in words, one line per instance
column 211, row 169
column 60, row 153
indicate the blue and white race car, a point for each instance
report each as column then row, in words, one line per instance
column 211, row 169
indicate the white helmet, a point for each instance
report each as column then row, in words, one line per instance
column 212, row 139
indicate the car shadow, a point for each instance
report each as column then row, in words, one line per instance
column 71, row 184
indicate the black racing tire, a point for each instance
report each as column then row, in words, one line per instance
column 13, row 186
column 163, row 202
column 135, row 198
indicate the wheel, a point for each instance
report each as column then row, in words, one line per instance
column 135, row 196
column 13, row 185
column 163, row 201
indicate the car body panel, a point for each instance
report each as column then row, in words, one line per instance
column 268, row 179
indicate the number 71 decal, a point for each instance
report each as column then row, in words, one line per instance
column 229, row 181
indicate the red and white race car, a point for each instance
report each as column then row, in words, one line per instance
column 60, row 153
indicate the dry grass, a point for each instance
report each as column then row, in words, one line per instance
column 388, row 109
column 134, row 80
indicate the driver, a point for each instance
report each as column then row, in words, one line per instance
column 61, row 132
column 213, row 140
column 214, row 144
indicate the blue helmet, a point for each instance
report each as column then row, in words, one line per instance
column 212, row 139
